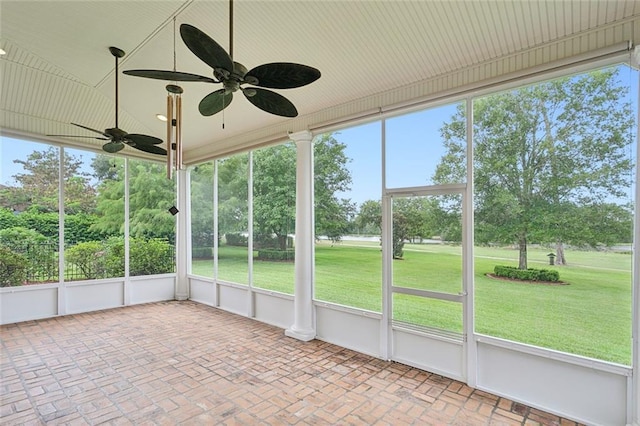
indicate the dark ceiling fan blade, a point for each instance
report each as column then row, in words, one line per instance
column 113, row 147
column 215, row 102
column 76, row 136
column 205, row 48
column 282, row 75
column 169, row 75
column 270, row 102
column 153, row 149
column 143, row 139
column 92, row 130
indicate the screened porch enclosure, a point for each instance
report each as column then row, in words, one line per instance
column 384, row 235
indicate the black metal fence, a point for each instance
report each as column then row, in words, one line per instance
column 92, row 260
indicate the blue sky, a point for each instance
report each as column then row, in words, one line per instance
column 413, row 149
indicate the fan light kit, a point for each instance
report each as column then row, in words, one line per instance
column 117, row 137
column 233, row 75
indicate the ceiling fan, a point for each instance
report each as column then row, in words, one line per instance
column 233, row 75
column 117, row 137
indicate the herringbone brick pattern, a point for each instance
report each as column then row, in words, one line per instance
column 186, row 363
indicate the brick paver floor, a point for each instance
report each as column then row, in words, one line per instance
column 187, row 363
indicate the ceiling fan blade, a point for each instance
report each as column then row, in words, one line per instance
column 282, row 75
column 76, row 136
column 205, row 48
column 270, row 102
column 92, row 130
column 113, row 147
column 143, row 139
column 215, row 102
column 169, row 75
column 153, row 149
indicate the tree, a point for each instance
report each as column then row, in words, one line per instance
column 202, row 205
column 541, row 152
column 38, row 184
column 331, row 177
column 274, row 191
column 233, row 178
column 151, row 194
column 370, row 214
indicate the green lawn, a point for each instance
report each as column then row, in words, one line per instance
column 590, row 316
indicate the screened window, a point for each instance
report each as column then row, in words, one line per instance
column 416, row 143
column 233, row 210
column 348, row 260
column 274, row 214
column 553, row 167
column 202, row 219
column 29, row 211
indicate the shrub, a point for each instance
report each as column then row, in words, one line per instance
column 79, row 228
column 266, row 241
column 10, row 220
column 526, row 274
column 20, row 239
column 277, row 255
column 13, row 268
column 40, row 253
column 46, row 224
column 149, row 257
column 202, row 252
column 89, row 257
column 114, row 262
column 146, row 256
column 236, row 239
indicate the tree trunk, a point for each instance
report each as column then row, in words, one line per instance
column 282, row 241
column 522, row 244
column 560, row 259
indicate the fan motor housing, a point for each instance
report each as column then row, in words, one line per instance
column 116, row 134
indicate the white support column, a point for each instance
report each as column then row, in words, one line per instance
column 386, row 350
column 182, row 237
column 471, row 350
column 302, row 328
column 127, row 233
column 634, row 398
column 62, row 290
column 251, row 311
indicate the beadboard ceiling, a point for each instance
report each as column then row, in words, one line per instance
column 57, row 68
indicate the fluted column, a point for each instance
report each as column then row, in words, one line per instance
column 302, row 328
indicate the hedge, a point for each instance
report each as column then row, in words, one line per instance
column 202, row 252
column 526, row 274
column 279, row 255
column 13, row 268
column 40, row 252
column 236, row 239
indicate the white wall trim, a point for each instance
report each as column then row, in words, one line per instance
column 581, row 361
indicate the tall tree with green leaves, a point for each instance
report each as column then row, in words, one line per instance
column 37, row 186
column 151, row 195
column 333, row 215
column 541, row 152
column 274, row 191
column 202, row 205
column 233, row 208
